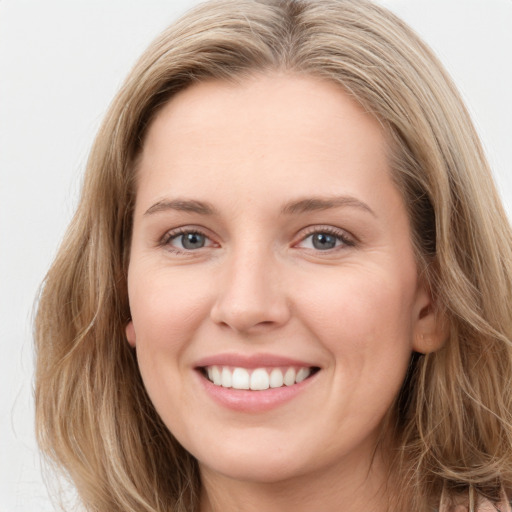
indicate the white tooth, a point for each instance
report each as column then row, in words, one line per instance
column 276, row 378
column 210, row 373
column 289, row 377
column 302, row 374
column 225, row 376
column 240, row 378
column 216, row 376
column 259, row 379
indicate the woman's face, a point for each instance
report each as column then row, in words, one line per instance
column 270, row 245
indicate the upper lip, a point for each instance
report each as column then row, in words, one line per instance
column 251, row 361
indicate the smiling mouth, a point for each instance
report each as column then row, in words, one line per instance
column 257, row 379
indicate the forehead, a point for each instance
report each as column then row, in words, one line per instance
column 289, row 131
column 268, row 101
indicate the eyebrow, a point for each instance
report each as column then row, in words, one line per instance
column 309, row 204
column 292, row 208
column 183, row 205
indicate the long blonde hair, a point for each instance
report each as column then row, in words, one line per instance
column 453, row 418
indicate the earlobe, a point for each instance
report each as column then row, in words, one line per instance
column 130, row 333
column 425, row 343
column 431, row 328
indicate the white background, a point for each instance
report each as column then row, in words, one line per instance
column 61, row 62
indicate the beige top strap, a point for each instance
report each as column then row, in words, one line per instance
column 473, row 504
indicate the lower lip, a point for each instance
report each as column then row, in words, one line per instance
column 254, row 401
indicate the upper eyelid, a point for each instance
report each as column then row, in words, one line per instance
column 311, row 230
column 175, row 232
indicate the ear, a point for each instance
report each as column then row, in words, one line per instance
column 430, row 326
column 130, row 333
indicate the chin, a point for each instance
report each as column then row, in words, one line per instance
column 254, row 462
column 260, row 471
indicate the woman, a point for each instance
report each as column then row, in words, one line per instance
column 287, row 284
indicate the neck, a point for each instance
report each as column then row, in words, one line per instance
column 355, row 487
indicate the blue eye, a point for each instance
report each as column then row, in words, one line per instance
column 325, row 240
column 191, row 241
column 187, row 241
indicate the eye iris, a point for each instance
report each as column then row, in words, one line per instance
column 324, row 241
column 192, row 240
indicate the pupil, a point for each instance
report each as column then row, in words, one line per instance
column 323, row 241
column 192, row 241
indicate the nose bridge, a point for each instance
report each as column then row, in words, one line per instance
column 250, row 293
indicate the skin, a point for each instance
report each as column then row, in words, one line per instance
column 259, row 285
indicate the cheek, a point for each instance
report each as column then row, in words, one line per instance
column 167, row 308
column 358, row 302
column 167, row 312
column 365, row 323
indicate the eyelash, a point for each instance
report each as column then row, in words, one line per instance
column 174, row 234
column 339, row 235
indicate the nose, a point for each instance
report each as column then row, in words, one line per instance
column 251, row 296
